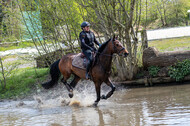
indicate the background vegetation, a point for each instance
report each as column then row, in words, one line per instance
column 41, row 23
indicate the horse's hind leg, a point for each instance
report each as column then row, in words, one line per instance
column 69, row 88
column 74, row 81
column 109, row 83
column 71, row 85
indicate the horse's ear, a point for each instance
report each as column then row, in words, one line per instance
column 114, row 37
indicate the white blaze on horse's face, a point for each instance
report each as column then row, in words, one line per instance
column 120, row 50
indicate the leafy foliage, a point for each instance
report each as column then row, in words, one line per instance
column 180, row 70
column 22, row 82
column 153, row 70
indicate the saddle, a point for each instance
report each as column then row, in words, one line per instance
column 80, row 61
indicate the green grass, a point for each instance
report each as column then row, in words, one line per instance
column 22, row 82
column 16, row 60
column 173, row 44
column 22, row 45
column 14, row 46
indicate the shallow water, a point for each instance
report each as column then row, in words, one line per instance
column 160, row 105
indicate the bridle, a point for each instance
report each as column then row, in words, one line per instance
column 115, row 50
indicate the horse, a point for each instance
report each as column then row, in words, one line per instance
column 100, row 70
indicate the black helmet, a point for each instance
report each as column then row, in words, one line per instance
column 84, row 24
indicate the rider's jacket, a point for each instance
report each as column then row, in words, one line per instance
column 87, row 40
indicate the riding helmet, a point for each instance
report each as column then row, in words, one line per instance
column 84, row 24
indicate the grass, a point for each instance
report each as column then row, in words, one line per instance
column 22, row 45
column 173, row 44
column 14, row 46
column 16, row 60
column 22, row 81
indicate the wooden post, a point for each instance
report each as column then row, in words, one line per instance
column 144, row 39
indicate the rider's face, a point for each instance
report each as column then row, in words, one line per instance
column 87, row 28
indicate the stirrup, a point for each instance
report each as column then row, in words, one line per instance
column 88, row 76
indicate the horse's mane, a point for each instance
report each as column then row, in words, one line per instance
column 103, row 46
column 100, row 50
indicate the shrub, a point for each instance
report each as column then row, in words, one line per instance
column 153, row 70
column 180, row 70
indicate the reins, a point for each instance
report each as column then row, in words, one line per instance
column 114, row 50
column 103, row 54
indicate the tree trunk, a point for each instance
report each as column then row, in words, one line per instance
column 144, row 39
column 152, row 81
column 1, row 20
column 152, row 57
column 3, row 84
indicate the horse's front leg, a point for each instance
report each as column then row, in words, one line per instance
column 109, row 83
column 98, row 91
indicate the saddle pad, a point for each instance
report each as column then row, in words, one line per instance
column 78, row 61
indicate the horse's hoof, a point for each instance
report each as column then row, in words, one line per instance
column 70, row 94
column 95, row 104
column 103, row 97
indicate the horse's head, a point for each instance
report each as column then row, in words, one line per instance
column 118, row 47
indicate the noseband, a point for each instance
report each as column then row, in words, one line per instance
column 115, row 50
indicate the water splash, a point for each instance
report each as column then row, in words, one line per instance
column 84, row 96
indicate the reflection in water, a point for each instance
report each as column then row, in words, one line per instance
column 167, row 105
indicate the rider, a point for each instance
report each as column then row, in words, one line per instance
column 87, row 39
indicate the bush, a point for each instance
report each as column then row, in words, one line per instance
column 180, row 70
column 153, row 70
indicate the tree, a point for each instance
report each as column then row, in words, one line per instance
column 123, row 18
column 3, row 5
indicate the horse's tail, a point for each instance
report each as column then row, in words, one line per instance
column 55, row 74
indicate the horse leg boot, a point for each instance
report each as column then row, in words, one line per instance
column 109, row 83
column 68, row 86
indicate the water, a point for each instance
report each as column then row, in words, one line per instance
column 160, row 105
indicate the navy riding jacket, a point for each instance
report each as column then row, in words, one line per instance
column 87, row 40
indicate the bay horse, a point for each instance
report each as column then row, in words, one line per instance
column 99, row 72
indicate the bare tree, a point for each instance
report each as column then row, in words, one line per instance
column 120, row 17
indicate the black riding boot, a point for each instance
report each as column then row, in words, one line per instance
column 87, row 70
